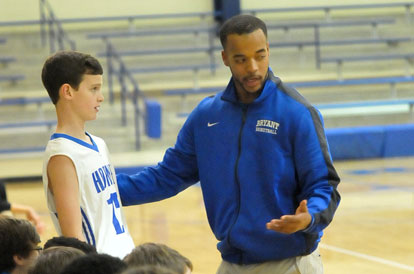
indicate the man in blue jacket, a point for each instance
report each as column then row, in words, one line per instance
column 260, row 153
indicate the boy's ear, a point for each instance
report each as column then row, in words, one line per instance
column 18, row 260
column 65, row 91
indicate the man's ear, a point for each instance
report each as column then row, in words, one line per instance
column 225, row 58
column 267, row 47
column 65, row 91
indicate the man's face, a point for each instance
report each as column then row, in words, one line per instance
column 247, row 56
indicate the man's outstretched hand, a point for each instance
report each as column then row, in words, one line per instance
column 291, row 223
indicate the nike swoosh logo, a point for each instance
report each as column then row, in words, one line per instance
column 212, row 124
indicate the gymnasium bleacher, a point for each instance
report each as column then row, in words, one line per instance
column 354, row 62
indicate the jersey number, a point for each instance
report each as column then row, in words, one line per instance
column 113, row 200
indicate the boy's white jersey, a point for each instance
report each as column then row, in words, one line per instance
column 103, row 221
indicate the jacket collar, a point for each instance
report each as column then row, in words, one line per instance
column 271, row 83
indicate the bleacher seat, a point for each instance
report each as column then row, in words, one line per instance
column 11, row 78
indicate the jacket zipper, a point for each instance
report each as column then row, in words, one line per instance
column 244, row 115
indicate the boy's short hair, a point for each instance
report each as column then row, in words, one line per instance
column 241, row 24
column 17, row 237
column 67, row 67
column 158, row 254
column 54, row 259
column 70, row 241
column 95, row 263
column 149, row 269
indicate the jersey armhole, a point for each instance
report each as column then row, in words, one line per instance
column 47, row 169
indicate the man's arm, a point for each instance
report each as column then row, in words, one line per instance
column 177, row 171
column 63, row 183
column 317, row 179
column 317, row 176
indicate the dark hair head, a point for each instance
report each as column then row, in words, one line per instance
column 54, row 259
column 70, row 241
column 17, row 237
column 158, row 254
column 149, row 269
column 241, row 24
column 67, row 67
column 95, row 263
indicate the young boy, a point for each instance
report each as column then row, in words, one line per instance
column 159, row 255
column 78, row 178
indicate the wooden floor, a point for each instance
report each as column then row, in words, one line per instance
column 372, row 232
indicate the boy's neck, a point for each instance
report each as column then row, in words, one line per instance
column 74, row 132
column 70, row 125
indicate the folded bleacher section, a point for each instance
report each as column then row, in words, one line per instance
column 356, row 67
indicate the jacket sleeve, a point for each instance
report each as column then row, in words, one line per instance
column 317, row 176
column 177, row 171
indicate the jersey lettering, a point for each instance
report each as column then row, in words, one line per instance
column 102, row 177
column 113, row 200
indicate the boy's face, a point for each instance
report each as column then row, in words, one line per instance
column 88, row 97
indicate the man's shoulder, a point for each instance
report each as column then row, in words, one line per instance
column 210, row 101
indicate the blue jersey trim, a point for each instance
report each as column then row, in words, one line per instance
column 76, row 140
column 87, row 230
column 86, row 234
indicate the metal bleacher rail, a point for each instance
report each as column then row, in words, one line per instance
column 327, row 9
column 340, row 60
column 392, row 81
column 123, row 75
column 211, row 31
column 12, row 78
column 5, row 60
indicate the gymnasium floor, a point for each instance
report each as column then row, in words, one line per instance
column 372, row 232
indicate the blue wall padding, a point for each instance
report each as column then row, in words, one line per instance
column 153, row 119
column 399, row 141
column 371, row 142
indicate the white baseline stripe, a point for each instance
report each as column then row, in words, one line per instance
column 367, row 257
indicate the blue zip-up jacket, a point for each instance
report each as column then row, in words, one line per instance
column 255, row 163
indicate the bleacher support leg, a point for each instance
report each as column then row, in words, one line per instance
column 374, row 30
column 393, row 90
column 408, row 16
column 327, row 14
column 195, row 79
column 339, row 70
column 317, row 47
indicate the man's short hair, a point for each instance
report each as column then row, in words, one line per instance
column 67, row 67
column 241, row 24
